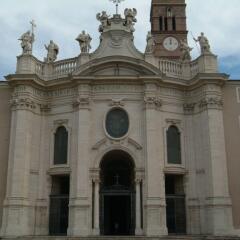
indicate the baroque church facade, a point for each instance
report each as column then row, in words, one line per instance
column 120, row 142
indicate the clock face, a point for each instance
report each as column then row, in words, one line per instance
column 170, row 43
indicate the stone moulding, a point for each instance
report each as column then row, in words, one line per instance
column 152, row 102
column 211, row 103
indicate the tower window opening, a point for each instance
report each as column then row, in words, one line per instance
column 160, row 23
column 174, row 23
column 166, row 23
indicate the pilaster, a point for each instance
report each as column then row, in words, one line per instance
column 18, row 208
column 79, row 206
column 218, row 205
column 155, row 208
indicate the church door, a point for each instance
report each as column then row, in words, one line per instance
column 117, row 196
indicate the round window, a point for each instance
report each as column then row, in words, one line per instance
column 117, row 123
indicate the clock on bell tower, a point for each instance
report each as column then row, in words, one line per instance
column 168, row 27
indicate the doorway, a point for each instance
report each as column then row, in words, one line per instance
column 59, row 201
column 176, row 208
column 117, row 194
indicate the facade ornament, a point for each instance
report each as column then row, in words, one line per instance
column 150, row 43
column 189, row 107
column 211, row 103
column 81, row 102
column 117, row 103
column 171, row 121
column 104, row 19
column 130, row 18
column 186, row 50
column 22, row 104
column 204, row 44
column 45, row 107
column 52, row 52
column 84, row 40
column 153, row 102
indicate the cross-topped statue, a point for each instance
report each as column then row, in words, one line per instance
column 116, row 2
column 33, row 25
column 27, row 39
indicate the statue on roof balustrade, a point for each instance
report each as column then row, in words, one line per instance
column 84, row 40
column 204, row 44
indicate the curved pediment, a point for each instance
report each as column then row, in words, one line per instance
column 117, row 66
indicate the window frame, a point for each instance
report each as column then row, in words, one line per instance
column 56, row 125
column 178, row 124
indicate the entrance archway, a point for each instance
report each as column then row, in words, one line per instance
column 117, row 194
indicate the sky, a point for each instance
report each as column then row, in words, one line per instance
column 62, row 21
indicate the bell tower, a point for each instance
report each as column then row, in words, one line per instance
column 168, row 27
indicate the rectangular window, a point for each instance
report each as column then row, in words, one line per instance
column 238, row 94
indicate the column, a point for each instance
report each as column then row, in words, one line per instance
column 96, row 207
column 138, row 229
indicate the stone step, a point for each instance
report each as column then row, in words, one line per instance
column 124, row 238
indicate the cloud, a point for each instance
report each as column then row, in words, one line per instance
column 63, row 20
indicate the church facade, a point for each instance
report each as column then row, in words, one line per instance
column 119, row 142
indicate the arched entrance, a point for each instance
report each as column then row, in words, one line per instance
column 117, row 194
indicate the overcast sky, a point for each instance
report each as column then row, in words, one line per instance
column 63, row 20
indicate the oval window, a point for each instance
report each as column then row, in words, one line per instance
column 117, row 123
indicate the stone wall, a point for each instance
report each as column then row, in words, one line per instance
column 5, row 120
column 232, row 136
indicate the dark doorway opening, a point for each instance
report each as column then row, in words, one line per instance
column 59, row 201
column 175, row 200
column 117, row 217
column 117, row 194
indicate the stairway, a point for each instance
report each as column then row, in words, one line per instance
column 124, row 238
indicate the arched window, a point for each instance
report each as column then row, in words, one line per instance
column 60, row 146
column 173, row 145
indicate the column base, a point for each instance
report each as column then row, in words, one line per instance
column 96, row 232
column 138, row 232
column 79, row 220
column 219, row 216
column 18, row 219
column 156, row 218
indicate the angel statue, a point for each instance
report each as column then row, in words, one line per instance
column 204, row 43
column 53, row 51
column 150, row 43
column 104, row 19
column 130, row 18
column 84, row 40
column 185, row 49
column 27, row 40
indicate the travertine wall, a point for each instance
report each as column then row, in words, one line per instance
column 232, row 136
column 5, row 119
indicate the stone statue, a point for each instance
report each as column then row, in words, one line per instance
column 150, row 43
column 27, row 42
column 104, row 19
column 53, row 51
column 84, row 40
column 130, row 17
column 204, row 44
column 185, row 49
